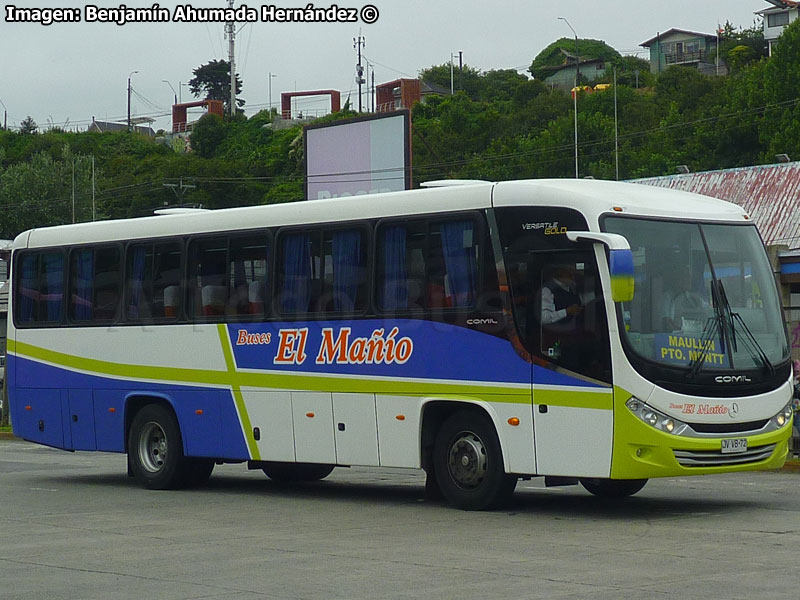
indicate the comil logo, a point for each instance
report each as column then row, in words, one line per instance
column 733, row 379
column 481, row 322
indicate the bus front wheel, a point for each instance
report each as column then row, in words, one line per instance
column 155, row 450
column 613, row 488
column 468, row 462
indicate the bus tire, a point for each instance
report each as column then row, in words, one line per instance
column 613, row 488
column 296, row 472
column 155, row 449
column 468, row 462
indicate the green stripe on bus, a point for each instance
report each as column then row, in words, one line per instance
column 574, row 399
column 241, row 408
column 289, row 381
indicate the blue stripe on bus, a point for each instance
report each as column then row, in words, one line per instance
column 400, row 348
column 56, row 396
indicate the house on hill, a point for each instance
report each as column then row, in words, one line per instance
column 685, row 48
column 562, row 76
column 776, row 18
column 105, row 126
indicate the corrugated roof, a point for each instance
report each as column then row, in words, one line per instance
column 769, row 193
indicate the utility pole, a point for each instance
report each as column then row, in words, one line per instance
column 372, row 93
column 230, row 26
column 179, row 188
column 575, row 92
column 129, row 99
column 94, row 211
column 616, row 126
column 358, row 43
column 271, row 75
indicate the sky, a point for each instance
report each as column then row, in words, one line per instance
column 66, row 73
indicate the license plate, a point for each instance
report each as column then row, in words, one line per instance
column 734, row 446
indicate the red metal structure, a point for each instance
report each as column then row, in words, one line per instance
column 410, row 93
column 286, row 100
column 214, row 107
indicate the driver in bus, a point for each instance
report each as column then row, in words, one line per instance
column 560, row 300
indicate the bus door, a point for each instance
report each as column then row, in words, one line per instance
column 560, row 318
column 567, row 332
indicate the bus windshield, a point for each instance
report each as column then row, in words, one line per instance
column 705, row 296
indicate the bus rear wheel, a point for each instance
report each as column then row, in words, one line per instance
column 613, row 488
column 468, row 463
column 155, row 449
column 296, row 472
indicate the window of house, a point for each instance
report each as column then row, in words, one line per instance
column 778, row 19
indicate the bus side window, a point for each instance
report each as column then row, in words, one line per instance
column 208, row 292
column 41, row 291
column 247, row 270
column 322, row 271
column 95, row 282
column 153, row 281
column 427, row 265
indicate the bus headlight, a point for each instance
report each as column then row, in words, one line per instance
column 655, row 418
column 783, row 417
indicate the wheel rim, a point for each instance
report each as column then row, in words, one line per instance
column 153, row 447
column 466, row 460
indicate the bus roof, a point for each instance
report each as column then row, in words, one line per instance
column 591, row 197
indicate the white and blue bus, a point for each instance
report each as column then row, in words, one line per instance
column 589, row 332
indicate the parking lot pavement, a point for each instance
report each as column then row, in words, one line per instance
column 75, row 526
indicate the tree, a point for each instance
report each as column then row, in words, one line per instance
column 28, row 126
column 207, row 134
column 465, row 79
column 632, row 71
column 213, row 81
column 742, row 46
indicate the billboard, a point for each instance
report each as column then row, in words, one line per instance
column 365, row 155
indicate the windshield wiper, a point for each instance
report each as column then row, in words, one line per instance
column 752, row 345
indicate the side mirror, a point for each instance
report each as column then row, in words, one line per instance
column 620, row 261
column 620, row 267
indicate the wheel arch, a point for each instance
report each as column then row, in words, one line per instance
column 436, row 410
column 136, row 401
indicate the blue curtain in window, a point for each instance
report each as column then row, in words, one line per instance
column 394, row 288
column 459, row 259
column 136, row 282
column 347, row 269
column 30, row 289
column 54, row 275
column 82, row 301
column 296, row 288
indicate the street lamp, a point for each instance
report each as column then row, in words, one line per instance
column 271, row 75
column 575, row 93
column 5, row 114
column 129, row 99
column 172, row 88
